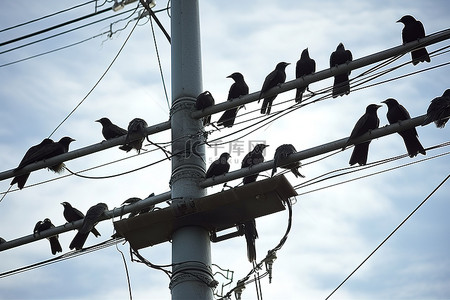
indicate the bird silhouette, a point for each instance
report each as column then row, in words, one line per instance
column 238, row 88
column 305, row 66
column 274, row 78
column 281, row 153
column 341, row 85
column 366, row 123
column 397, row 113
column 412, row 31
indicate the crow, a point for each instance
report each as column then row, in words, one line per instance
column 90, row 220
column 305, row 66
column 110, row 130
column 203, row 101
column 412, row 31
column 439, row 110
column 275, row 78
column 238, row 88
column 219, row 166
column 54, row 242
column 142, row 211
column 281, row 154
column 34, row 154
column 366, row 123
column 71, row 214
column 252, row 158
column 55, row 149
column 136, row 126
column 341, row 85
column 397, row 113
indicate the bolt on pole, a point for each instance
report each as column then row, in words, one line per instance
column 191, row 249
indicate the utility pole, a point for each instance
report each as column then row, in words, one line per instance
column 191, row 248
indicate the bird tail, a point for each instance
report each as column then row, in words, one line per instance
column 412, row 143
column 207, row 120
column 95, row 232
column 341, row 85
column 78, row 241
column 250, row 236
column 359, row 154
column 420, row 55
column 59, row 168
column 297, row 173
column 126, row 147
column 55, row 245
column 299, row 95
column 264, row 108
column 20, row 180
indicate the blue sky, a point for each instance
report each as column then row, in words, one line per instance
column 334, row 229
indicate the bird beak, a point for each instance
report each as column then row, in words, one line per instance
column 383, row 101
column 72, row 140
column 97, row 121
column 379, row 106
column 229, row 76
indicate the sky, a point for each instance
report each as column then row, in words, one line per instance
column 333, row 228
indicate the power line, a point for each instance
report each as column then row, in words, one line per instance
column 53, row 28
column 98, row 81
column 391, row 234
column 47, row 16
column 63, row 32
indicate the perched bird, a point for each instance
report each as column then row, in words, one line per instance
column 110, row 130
column 136, row 126
column 396, row 113
column 281, row 154
column 252, row 158
column 90, row 220
column 54, row 242
column 237, row 89
column 71, row 214
column 219, row 166
column 58, row 148
column 33, row 155
column 341, row 85
column 305, row 66
column 412, row 31
column 275, row 78
column 142, row 211
column 203, row 101
column 366, row 123
column 439, row 110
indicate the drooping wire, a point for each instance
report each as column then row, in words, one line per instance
column 389, row 236
column 124, row 261
column 98, row 81
column 72, row 254
column 159, row 62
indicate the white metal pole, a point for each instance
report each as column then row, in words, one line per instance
column 191, row 250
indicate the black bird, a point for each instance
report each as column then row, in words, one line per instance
column 110, row 130
column 252, row 158
column 439, row 110
column 203, row 101
column 412, row 31
column 238, row 88
column 281, row 154
column 275, row 78
column 219, row 166
column 366, row 123
column 142, row 211
column 90, row 220
column 54, row 242
column 71, row 214
column 136, row 126
column 341, row 85
column 55, row 149
column 397, row 113
column 33, row 155
column 305, row 66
